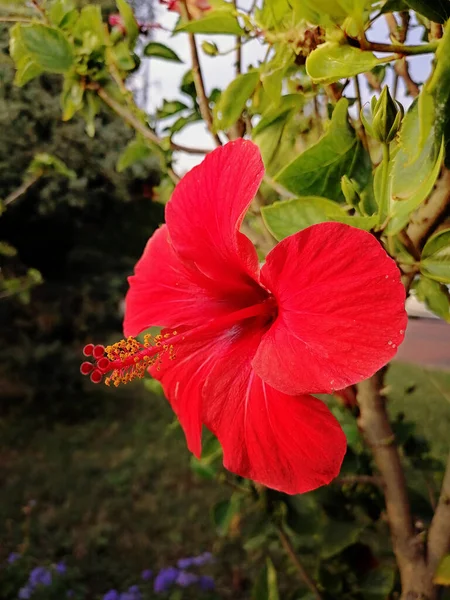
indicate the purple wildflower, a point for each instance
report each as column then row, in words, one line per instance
column 60, row 568
column 146, row 574
column 206, row 583
column 25, row 592
column 111, row 595
column 165, row 579
column 186, row 579
column 203, row 559
column 13, row 557
column 40, row 576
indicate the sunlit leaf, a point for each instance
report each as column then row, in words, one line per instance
column 233, row 99
column 331, row 61
column 158, row 50
column 48, row 47
column 318, row 171
column 214, row 21
column 129, row 21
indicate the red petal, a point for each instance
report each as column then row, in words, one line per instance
column 166, row 292
column 207, row 209
column 292, row 444
column 341, row 310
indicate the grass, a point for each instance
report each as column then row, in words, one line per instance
column 115, row 494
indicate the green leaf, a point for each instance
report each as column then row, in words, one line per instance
column 338, row 536
column 158, row 50
column 435, row 259
column 267, row 134
column 318, row 171
column 129, row 20
column 434, row 99
column 289, row 216
column 170, row 107
column 89, row 28
column 7, row 250
column 26, row 67
column 435, row 295
column 47, row 163
column 442, row 575
column 412, row 175
column 435, row 10
column 266, row 587
column 330, row 62
column 48, row 47
column 214, row 21
column 123, row 57
column 233, row 99
column 394, row 6
column 378, row 583
column 223, row 513
column 137, row 150
column 59, row 11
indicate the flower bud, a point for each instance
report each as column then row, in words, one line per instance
column 350, row 191
column 385, row 119
column 210, row 48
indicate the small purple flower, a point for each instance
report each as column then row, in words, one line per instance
column 25, row 592
column 146, row 574
column 203, row 559
column 134, row 593
column 40, row 576
column 185, row 563
column 126, row 596
column 60, row 568
column 112, row 595
column 206, row 583
column 186, row 579
column 13, row 557
column 165, row 579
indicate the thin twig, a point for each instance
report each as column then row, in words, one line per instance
column 198, row 79
column 290, row 551
column 402, row 70
column 397, row 49
column 238, row 49
column 16, row 20
column 22, row 188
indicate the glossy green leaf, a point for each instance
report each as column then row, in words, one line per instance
column 158, row 50
column 331, row 61
column 435, row 295
column 214, row 21
column 434, row 99
column 435, row 10
column 289, row 216
column 223, row 513
column 233, row 99
column 412, row 175
column 435, row 259
column 378, row 583
column 48, row 47
column 136, row 151
column 129, row 20
column 442, row 575
column 318, row 171
column 266, row 586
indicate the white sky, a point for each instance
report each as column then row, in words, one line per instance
column 219, row 71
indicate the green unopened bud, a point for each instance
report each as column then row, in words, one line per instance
column 387, row 115
column 210, row 48
column 350, row 191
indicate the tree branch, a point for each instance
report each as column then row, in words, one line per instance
column 378, row 433
column 439, row 532
column 198, row 79
column 22, row 188
column 290, row 551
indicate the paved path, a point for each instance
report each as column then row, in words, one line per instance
column 427, row 343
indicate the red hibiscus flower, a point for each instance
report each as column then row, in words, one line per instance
column 243, row 347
